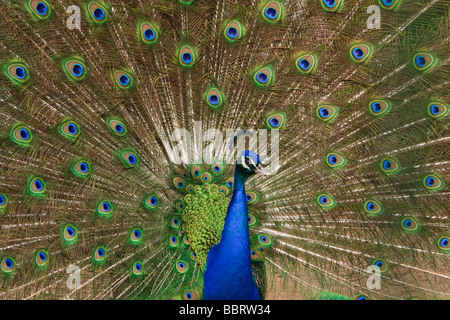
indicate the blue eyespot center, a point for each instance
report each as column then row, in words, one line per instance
column 174, row 240
column 149, row 34
column 324, row 112
column 181, row 265
column 39, row 185
column 362, row 298
column 323, row 199
column 196, row 172
column 138, row 267
column 132, row 159
column 70, row 231
column 42, row 256
column 9, row 263
column 124, row 80
column 430, row 181
column 153, row 201
column 370, row 206
column 333, row 159
column 358, row 53
column 186, row 57
column 24, row 134
column 41, row 8
column 216, row 168
column 420, row 60
column 180, row 185
column 232, row 32
column 137, row 234
column 2, row 200
column 274, row 122
column 229, row 184
column 379, row 264
column 213, row 99
column 271, row 13
column 84, row 167
column 101, row 252
column 189, row 295
column 20, row 72
column 434, row 109
column 72, row 128
column 388, row 2
column 99, row 14
column 262, row 77
column 248, row 197
column 407, row 223
column 329, row 3
column 304, row 64
column 387, row 164
column 106, row 206
column 444, row 242
column 376, row 107
column 77, row 70
column 175, row 221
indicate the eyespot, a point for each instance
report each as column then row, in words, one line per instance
column 224, row 190
column 306, row 63
column 21, row 135
column 381, row 264
column 40, row 8
column 174, row 242
column 129, row 158
column 100, row 254
column 138, row 268
column 3, row 202
column 179, row 183
column 136, row 236
column 117, row 127
column 214, row 98
column 105, row 208
column 193, row 256
column 424, row 61
column 217, row 168
column 263, row 77
column 272, row 11
column 362, row 297
column 437, row 109
column 327, row 113
column 75, row 69
column 123, row 79
column 433, row 183
column 149, row 33
column 251, row 197
column 230, row 183
column 97, row 12
column 360, row 52
column 81, row 168
column 389, row 4
column 151, row 201
column 206, row 177
column 181, row 266
column 373, row 207
column 335, row 160
column 70, row 130
column 390, row 166
column 70, row 234
column 264, row 240
column 17, row 72
column 444, row 243
column 37, row 187
column 275, row 121
column 234, row 31
column 379, row 107
column 331, row 5
column 410, row 224
column 326, row 201
column 41, row 259
column 8, row 265
column 187, row 56
column 196, row 171
column 186, row 240
column 190, row 188
column 179, row 205
column 191, row 295
column 175, row 222
column 251, row 220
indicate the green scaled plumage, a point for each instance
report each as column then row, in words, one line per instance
column 96, row 171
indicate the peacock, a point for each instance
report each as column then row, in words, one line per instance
column 226, row 149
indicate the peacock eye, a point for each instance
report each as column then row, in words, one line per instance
column 331, row 5
column 117, row 127
column 174, row 223
column 123, row 79
column 380, row 264
column 21, row 135
column 306, row 63
column 8, row 265
column 3, row 201
column 136, row 236
column 81, row 168
column 41, row 259
column 437, row 109
column 97, row 12
column 70, row 234
column 233, row 31
column 390, row 166
column 389, row 4
column 129, row 158
column 327, row 113
column 263, row 77
column 99, row 255
column 379, row 107
column 181, row 266
column 40, row 8
column 326, row 201
column 443, row 243
column 17, row 72
column 433, row 182
column 410, row 224
column 187, row 56
column 272, row 11
column 424, row 61
column 105, row 208
column 37, row 187
column 179, row 183
column 264, row 240
column 360, row 52
column 206, row 177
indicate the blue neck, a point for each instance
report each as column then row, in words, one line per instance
column 228, row 274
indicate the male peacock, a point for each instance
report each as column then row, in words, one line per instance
column 97, row 200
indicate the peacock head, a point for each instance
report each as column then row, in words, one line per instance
column 249, row 163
